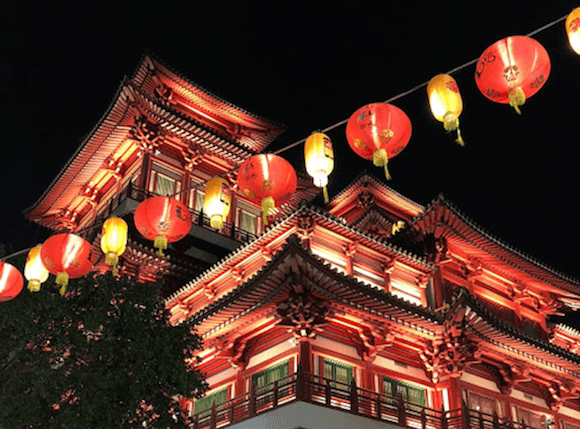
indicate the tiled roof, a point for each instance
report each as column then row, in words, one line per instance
column 367, row 178
column 210, row 101
column 489, row 328
column 105, row 137
column 265, row 285
column 285, row 224
column 442, row 213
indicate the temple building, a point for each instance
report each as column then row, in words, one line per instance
column 372, row 311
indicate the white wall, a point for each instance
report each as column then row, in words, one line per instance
column 270, row 353
column 309, row 416
column 569, row 412
column 517, row 394
column 479, row 382
column 220, row 376
column 335, row 346
column 407, row 371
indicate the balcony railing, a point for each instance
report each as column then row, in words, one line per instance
column 302, row 386
column 139, row 194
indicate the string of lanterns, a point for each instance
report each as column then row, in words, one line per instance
column 510, row 71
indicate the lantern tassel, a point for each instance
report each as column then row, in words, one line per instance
column 34, row 285
column 381, row 159
column 387, row 174
column 62, row 280
column 517, row 97
column 161, row 244
column 459, row 139
column 325, row 194
column 267, row 204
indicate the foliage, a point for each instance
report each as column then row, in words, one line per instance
column 102, row 356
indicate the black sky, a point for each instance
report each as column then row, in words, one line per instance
column 309, row 68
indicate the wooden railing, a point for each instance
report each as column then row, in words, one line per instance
column 321, row 391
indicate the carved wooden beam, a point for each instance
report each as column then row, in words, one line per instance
column 303, row 313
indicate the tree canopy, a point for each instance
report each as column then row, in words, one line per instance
column 104, row 355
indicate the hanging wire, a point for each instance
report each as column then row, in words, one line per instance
column 417, row 87
column 13, row 255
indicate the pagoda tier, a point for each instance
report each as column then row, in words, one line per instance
column 162, row 135
column 436, row 305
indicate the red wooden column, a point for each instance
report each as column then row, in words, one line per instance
column 240, row 385
column 145, row 170
column 367, row 381
column 305, row 354
column 387, row 267
column 454, row 393
column 350, row 250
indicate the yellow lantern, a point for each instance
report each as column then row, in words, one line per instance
column 319, row 158
column 217, row 201
column 114, row 240
column 445, row 102
column 34, row 270
column 573, row 29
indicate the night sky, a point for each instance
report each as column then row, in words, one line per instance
column 309, row 68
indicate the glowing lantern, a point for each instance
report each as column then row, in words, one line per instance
column 114, row 240
column 378, row 131
column 34, row 271
column 268, row 180
column 512, row 70
column 573, row 29
column 11, row 281
column 162, row 219
column 445, row 102
column 217, row 201
column 66, row 256
column 319, row 158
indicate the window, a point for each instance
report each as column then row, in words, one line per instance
column 412, row 394
column 534, row 420
column 164, row 180
column 482, row 403
column 337, row 371
column 164, row 185
column 272, row 374
column 568, row 425
column 248, row 222
column 205, row 403
column 196, row 195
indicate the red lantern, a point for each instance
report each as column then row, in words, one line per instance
column 378, row 131
column 162, row 219
column 11, row 281
column 66, row 256
column 268, row 180
column 512, row 70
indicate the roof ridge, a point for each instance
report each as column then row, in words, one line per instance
column 156, row 58
column 114, row 100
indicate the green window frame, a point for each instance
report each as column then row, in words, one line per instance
column 205, row 403
column 338, row 371
column 269, row 375
column 412, row 394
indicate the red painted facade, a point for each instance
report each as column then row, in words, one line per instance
column 407, row 300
